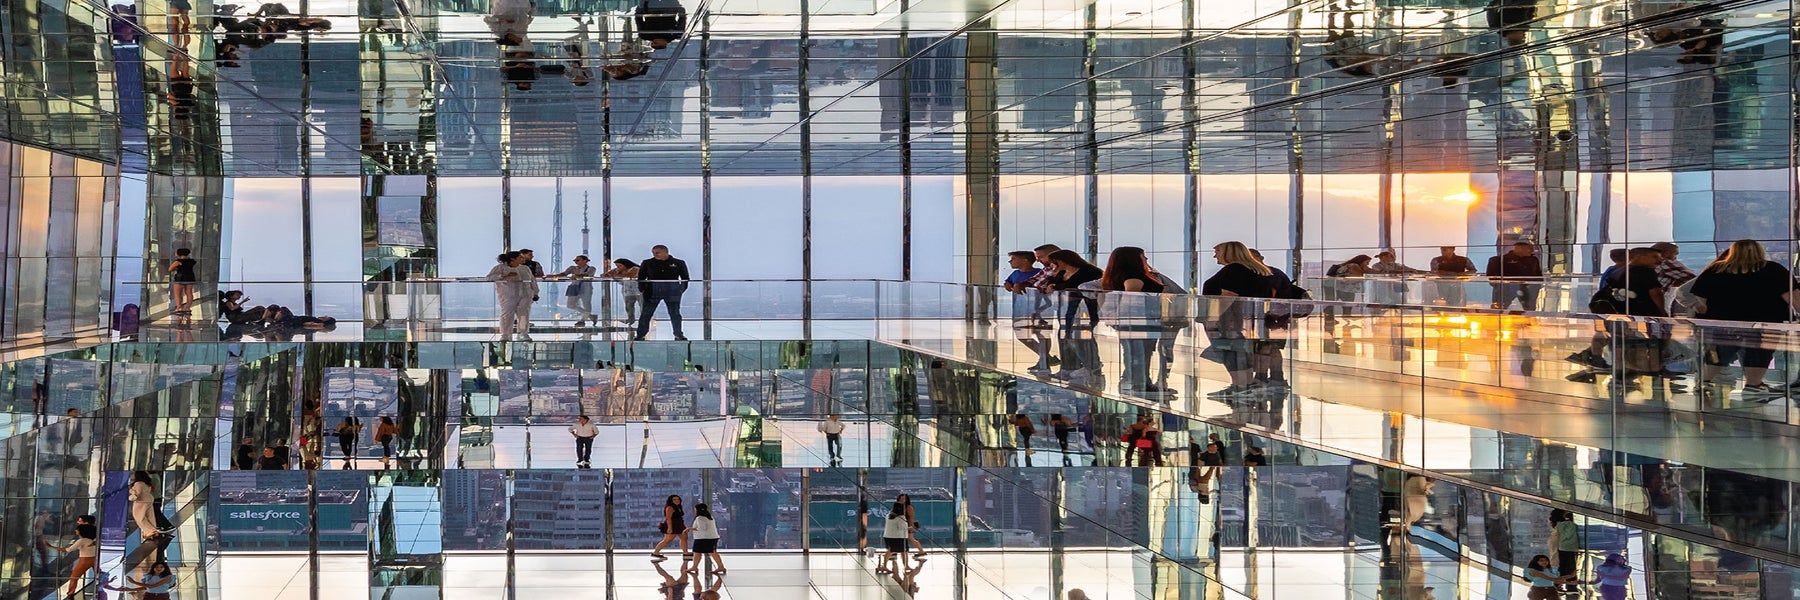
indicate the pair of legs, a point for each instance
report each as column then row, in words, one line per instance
column 509, row 315
column 82, row 566
column 584, row 449
column 631, row 306
column 673, row 302
column 347, row 445
column 1525, row 293
column 183, row 293
column 708, row 548
column 387, row 449
column 582, row 303
column 1137, row 362
column 834, row 444
column 1062, row 439
column 1265, row 362
column 1754, row 360
column 680, row 535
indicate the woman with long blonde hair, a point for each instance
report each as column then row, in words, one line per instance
column 1742, row 286
column 1240, row 275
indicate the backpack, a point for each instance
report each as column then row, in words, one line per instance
column 1282, row 313
column 1608, row 300
column 1334, row 270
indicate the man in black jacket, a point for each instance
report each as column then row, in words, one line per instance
column 662, row 278
column 1516, row 275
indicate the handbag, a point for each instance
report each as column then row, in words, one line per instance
column 576, row 289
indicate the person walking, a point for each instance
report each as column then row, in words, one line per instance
column 87, row 553
column 347, row 433
column 584, row 432
column 181, row 281
column 1022, row 426
column 626, row 272
column 673, row 527
column 834, row 436
column 662, row 278
column 143, row 505
column 706, row 540
column 579, row 296
column 385, row 431
column 514, row 289
column 894, row 533
column 1061, row 426
column 1742, row 286
column 158, row 581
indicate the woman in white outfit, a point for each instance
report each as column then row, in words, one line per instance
column 579, row 297
column 514, row 289
column 143, row 505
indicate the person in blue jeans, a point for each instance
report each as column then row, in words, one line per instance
column 662, row 278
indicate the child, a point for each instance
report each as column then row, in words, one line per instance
column 1026, row 277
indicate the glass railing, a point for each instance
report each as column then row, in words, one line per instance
column 1554, row 293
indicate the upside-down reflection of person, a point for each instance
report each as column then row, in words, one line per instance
column 660, row 22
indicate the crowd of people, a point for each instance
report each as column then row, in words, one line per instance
column 658, row 280
column 1147, row 310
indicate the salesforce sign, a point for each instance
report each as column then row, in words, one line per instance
column 264, row 515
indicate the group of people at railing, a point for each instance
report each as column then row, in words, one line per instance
column 1513, row 276
column 271, row 322
column 659, row 279
column 1148, row 311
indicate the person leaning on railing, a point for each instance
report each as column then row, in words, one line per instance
column 1241, row 276
column 1520, row 262
column 1744, row 286
column 1450, row 264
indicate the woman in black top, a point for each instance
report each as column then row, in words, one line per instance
column 1744, row 286
column 181, row 280
column 1140, row 313
column 1242, row 276
column 673, row 527
column 1071, row 272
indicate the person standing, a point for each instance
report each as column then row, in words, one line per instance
column 347, row 433
column 143, row 505
column 1742, row 286
column 663, row 278
column 513, row 289
column 579, row 296
column 1240, row 276
column 1519, row 263
column 1449, row 264
column 87, row 552
column 384, row 434
column 584, row 432
column 1613, row 576
column 1671, row 275
column 246, row 454
column 626, row 272
column 182, row 279
column 1139, row 324
column 1071, row 271
column 834, row 436
column 706, row 540
column 537, row 270
column 673, row 527
column 270, row 461
column 1566, row 541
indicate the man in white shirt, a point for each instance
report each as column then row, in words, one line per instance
column 834, row 436
column 584, row 432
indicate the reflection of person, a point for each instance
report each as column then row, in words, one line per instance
column 1021, row 424
column 1061, row 426
column 158, row 581
column 660, row 22
column 834, row 436
column 520, row 69
column 1520, row 262
column 662, row 278
column 1544, row 578
column 1566, row 542
column 1450, row 264
column 673, row 527
column 673, row 587
column 893, row 535
column 143, row 504
column 384, row 434
column 87, row 551
column 584, row 432
column 509, row 21
column 513, row 289
column 1417, row 493
column 1742, row 286
column 347, row 434
column 1240, row 276
column 1613, row 577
